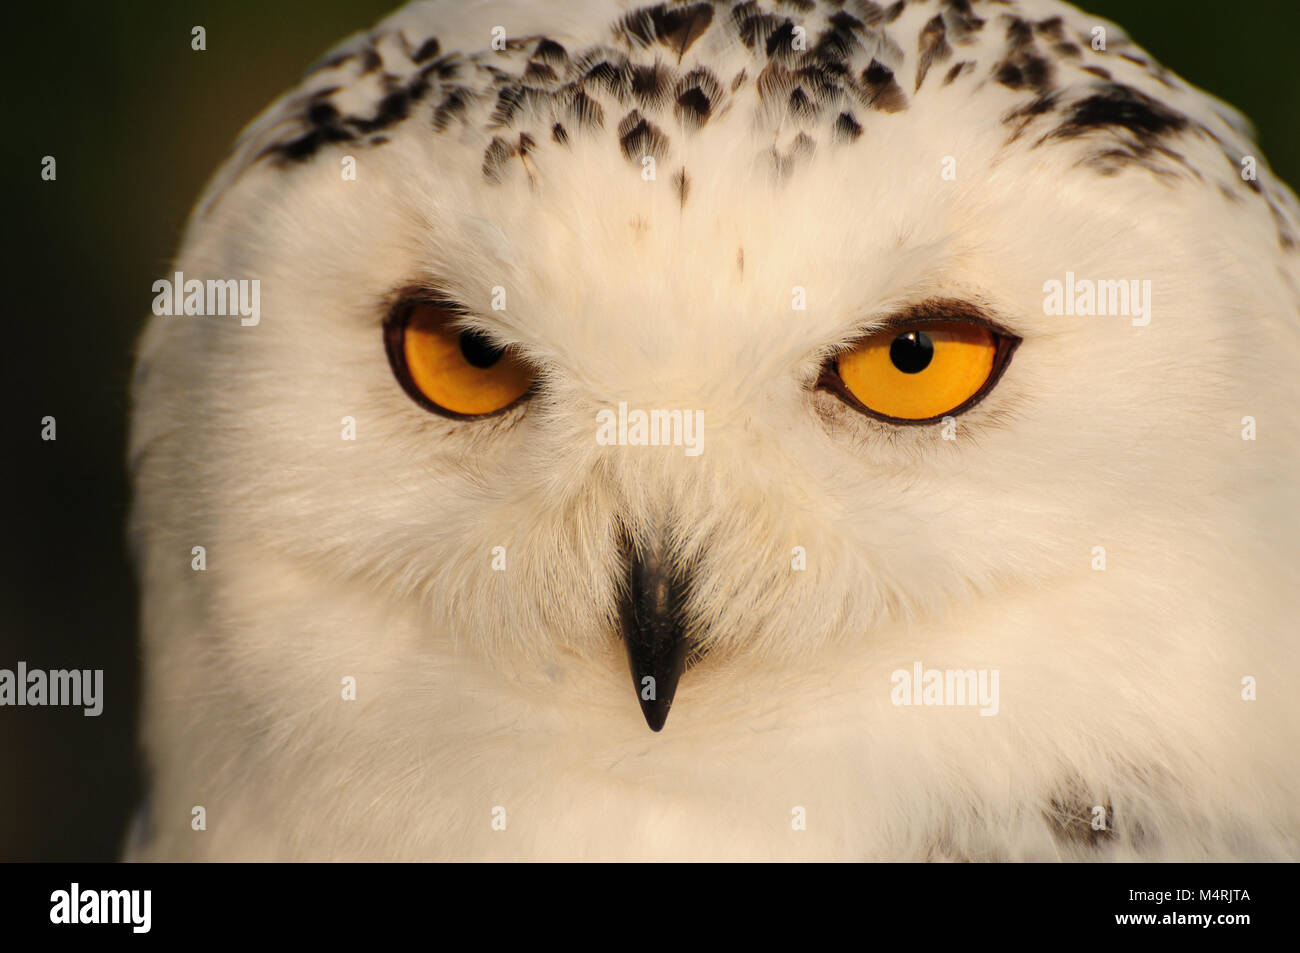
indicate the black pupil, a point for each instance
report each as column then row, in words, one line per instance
column 478, row 350
column 912, row 352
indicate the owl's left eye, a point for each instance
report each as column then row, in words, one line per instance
column 451, row 370
column 919, row 371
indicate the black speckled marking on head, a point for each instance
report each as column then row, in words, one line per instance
column 1020, row 32
column 841, row 38
column 847, row 128
column 824, row 82
column 454, row 103
column 638, row 137
column 1117, row 106
column 651, row 85
column 1134, row 129
column 419, row 86
column 1038, row 106
column 881, row 89
column 550, row 53
column 581, row 110
column 1025, row 70
column 427, row 50
column 603, row 71
column 541, row 73
column 1023, row 116
column 674, row 27
column 322, row 113
column 871, row 12
column 682, row 183
column 697, row 94
column 1023, row 67
column 802, row 94
column 497, row 154
column 753, row 25
column 1053, row 28
column 548, row 83
column 962, row 22
column 509, row 101
column 780, row 44
column 500, row 151
column 325, row 126
column 932, row 46
column 775, row 83
column 499, row 76
column 445, row 68
column 823, row 90
column 393, row 108
column 965, row 66
column 801, row 105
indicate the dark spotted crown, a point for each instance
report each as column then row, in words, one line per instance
column 818, row 74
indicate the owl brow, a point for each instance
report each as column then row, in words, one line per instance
column 938, row 309
column 426, row 292
column 440, row 295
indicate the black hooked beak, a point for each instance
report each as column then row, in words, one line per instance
column 654, row 629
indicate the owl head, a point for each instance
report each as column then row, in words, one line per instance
column 595, row 358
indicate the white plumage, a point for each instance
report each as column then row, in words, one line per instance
column 490, row 698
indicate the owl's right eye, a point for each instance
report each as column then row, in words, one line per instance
column 454, row 371
column 935, row 360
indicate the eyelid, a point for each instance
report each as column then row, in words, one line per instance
column 933, row 311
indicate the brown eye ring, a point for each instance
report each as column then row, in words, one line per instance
column 958, row 324
column 455, row 372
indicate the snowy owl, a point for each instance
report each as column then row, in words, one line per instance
column 777, row 429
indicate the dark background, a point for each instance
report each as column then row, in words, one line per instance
column 137, row 121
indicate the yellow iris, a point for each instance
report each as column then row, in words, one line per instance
column 919, row 372
column 459, row 371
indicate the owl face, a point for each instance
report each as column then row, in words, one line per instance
column 756, row 353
